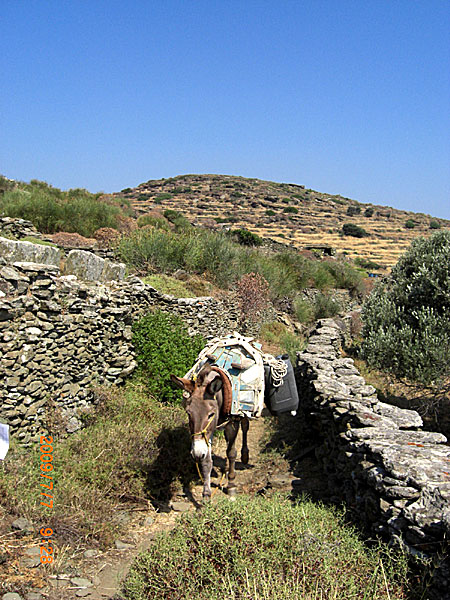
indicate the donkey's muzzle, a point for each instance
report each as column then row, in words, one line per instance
column 199, row 449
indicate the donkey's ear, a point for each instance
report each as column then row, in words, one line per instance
column 184, row 384
column 215, row 383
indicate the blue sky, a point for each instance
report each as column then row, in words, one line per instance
column 342, row 96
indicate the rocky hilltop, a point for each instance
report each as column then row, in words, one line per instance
column 285, row 212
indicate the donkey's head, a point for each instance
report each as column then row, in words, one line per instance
column 202, row 403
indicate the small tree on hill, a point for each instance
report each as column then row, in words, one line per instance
column 354, row 230
column 407, row 317
column 246, row 237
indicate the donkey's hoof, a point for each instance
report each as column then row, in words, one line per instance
column 232, row 492
column 244, row 456
column 206, row 499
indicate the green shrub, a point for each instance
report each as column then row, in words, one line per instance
column 410, row 224
column 196, row 252
column 127, row 190
column 345, row 275
column 435, row 225
column 367, row 263
column 369, row 212
column 303, row 310
column 150, row 249
column 407, row 317
column 270, row 212
column 321, row 276
column 290, row 209
column 5, row 184
column 158, row 222
column 325, row 306
column 214, row 255
column 354, row 230
column 52, row 210
column 259, row 548
column 291, row 343
column 353, row 210
column 163, row 346
column 163, row 196
column 322, row 306
column 246, row 237
column 177, row 218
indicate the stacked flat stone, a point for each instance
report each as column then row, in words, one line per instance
column 18, row 228
column 395, row 476
column 60, row 336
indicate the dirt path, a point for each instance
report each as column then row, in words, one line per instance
column 266, row 473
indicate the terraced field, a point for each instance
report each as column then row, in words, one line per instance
column 286, row 213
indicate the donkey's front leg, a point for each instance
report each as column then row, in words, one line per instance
column 245, row 424
column 231, row 431
column 206, row 468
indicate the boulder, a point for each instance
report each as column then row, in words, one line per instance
column 89, row 267
column 12, row 251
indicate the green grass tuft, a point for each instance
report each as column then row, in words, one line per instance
column 33, row 240
column 133, row 449
column 264, row 549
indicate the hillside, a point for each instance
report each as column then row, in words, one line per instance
column 286, row 213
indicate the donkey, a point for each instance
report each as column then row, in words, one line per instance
column 204, row 404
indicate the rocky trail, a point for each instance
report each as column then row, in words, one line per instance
column 89, row 573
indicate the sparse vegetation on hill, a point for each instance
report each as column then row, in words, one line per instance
column 314, row 218
column 285, row 213
column 223, row 261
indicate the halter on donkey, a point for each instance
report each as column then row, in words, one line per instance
column 224, row 389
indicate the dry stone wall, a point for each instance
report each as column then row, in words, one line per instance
column 18, row 228
column 392, row 475
column 85, row 265
column 60, row 336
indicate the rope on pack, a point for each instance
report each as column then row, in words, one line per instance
column 278, row 369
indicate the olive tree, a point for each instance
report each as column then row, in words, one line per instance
column 406, row 319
